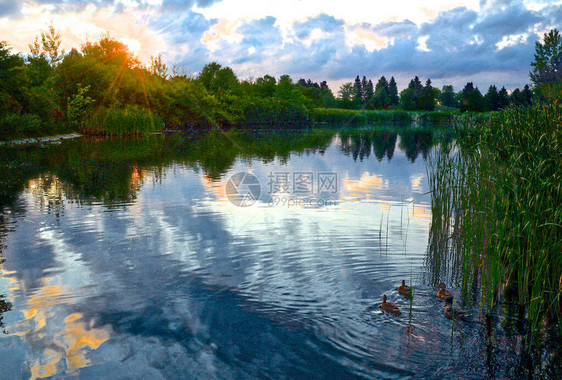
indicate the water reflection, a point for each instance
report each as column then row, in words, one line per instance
column 125, row 257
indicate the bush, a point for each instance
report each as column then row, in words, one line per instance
column 275, row 113
column 13, row 126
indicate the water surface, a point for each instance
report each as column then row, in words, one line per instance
column 126, row 258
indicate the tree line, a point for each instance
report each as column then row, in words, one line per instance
column 102, row 84
column 418, row 97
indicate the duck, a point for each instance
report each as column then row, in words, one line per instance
column 404, row 290
column 389, row 307
column 458, row 314
column 443, row 293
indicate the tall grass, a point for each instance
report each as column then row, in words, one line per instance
column 128, row 121
column 497, row 214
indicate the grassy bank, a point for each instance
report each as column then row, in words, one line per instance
column 496, row 212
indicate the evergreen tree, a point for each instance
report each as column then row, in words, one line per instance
column 503, row 99
column 472, row 99
column 393, row 92
column 358, row 92
column 381, row 92
column 491, row 98
column 527, row 95
column 369, row 92
column 426, row 100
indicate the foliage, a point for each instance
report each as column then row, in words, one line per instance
column 128, row 121
column 547, row 64
column 78, row 107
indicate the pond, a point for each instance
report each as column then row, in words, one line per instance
column 231, row 255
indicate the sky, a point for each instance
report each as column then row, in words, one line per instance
column 450, row 41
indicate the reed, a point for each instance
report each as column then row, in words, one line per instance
column 128, row 121
column 497, row 220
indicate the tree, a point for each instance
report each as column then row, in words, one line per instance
column 381, row 92
column 364, row 88
column 393, row 92
column 448, row 97
column 345, row 94
column 503, row 99
column 547, row 64
column 158, row 67
column 50, row 42
column 358, row 92
column 426, row 100
column 369, row 92
column 527, row 95
column 491, row 98
column 265, row 86
column 472, row 99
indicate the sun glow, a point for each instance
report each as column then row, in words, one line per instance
column 134, row 45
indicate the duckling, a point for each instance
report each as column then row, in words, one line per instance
column 458, row 314
column 389, row 307
column 404, row 290
column 443, row 293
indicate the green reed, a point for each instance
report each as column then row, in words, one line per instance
column 128, row 121
column 497, row 215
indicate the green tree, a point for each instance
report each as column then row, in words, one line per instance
column 472, row 99
column 358, row 92
column 492, row 98
column 265, row 86
column 369, row 92
column 346, row 94
column 527, row 95
column 158, row 67
column 381, row 93
column 547, row 63
column 393, row 92
column 448, row 97
column 426, row 100
column 78, row 107
column 503, row 98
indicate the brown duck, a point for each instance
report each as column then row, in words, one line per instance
column 389, row 307
column 404, row 290
column 443, row 293
column 458, row 314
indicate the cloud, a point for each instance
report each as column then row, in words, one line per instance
column 323, row 22
column 513, row 20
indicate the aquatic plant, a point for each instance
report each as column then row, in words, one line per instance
column 128, row 121
column 497, row 220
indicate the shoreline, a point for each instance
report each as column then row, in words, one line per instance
column 36, row 140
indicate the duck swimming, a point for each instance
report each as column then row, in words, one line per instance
column 443, row 293
column 458, row 314
column 404, row 290
column 389, row 307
